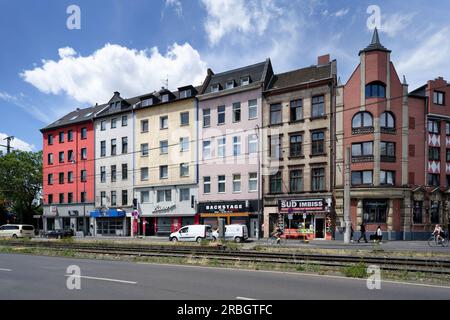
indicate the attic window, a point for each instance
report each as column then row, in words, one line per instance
column 88, row 115
column 165, row 97
column 74, row 117
column 215, row 88
column 245, row 81
column 230, row 84
column 147, row 102
column 185, row 93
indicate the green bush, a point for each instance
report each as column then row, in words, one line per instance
column 356, row 271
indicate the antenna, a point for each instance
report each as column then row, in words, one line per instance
column 165, row 82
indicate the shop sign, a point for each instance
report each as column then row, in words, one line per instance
column 223, row 207
column 304, row 205
column 161, row 209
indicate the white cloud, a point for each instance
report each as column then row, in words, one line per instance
column 94, row 78
column 393, row 24
column 176, row 4
column 341, row 13
column 7, row 97
column 20, row 102
column 16, row 143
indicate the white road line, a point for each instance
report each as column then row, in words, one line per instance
column 103, row 279
column 244, row 298
column 5, row 269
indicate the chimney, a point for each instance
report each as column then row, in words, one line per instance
column 325, row 59
column 117, row 93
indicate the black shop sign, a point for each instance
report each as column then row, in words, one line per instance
column 304, row 205
column 223, row 207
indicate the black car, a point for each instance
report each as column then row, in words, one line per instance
column 59, row 234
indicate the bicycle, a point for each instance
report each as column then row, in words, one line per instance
column 434, row 242
column 276, row 240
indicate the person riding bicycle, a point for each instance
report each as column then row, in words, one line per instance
column 277, row 233
column 438, row 232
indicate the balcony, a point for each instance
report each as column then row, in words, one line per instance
column 388, row 130
column 362, row 130
column 388, row 158
column 359, row 159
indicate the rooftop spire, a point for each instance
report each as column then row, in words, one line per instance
column 375, row 45
column 375, row 37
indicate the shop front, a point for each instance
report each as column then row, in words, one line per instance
column 110, row 222
column 67, row 217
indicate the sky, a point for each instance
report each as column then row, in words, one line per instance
column 55, row 59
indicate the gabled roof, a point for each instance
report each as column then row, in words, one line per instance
column 175, row 96
column 419, row 92
column 375, row 45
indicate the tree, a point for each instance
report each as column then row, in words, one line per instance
column 21, row 183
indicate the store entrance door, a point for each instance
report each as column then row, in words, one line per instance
column 320, row 228
column 253, row 228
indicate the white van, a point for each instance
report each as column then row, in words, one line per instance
column 196, row 233
column 17, row 231
column 235, row 232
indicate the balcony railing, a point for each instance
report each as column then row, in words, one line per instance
column 388, row 158
column 362, row 159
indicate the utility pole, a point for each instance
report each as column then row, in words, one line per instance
column 259, row 232
column 347, row 197
column 8, row 144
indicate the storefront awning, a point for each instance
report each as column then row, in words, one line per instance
column 109, row 213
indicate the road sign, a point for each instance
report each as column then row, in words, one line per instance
column 290, row 216
column 304, row 216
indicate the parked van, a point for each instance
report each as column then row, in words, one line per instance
column 196, row 233
column 234, row 232
column 17, row 231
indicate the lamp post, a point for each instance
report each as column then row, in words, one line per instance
column 258, row 231
column 84, row 195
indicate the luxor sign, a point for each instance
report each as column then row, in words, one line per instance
column 304, row 205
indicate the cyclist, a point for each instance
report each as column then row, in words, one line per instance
column 438, row 233
column 277, row 233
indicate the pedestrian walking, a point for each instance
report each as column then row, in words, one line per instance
column 351, row 232
column 379, row 234
column 363, row 233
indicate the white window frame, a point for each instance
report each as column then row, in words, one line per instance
column 221, row 147
column 206, row 148
column 252, row 107
column 207, row 183
column 220, row 181
column 237, row 183
column 236, row 145
column 252, row 180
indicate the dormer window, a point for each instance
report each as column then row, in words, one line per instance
column 185, row 93
column 147, row 102
column 165, row 97
column 245, row 81
column 215, row 88
column 230, row 84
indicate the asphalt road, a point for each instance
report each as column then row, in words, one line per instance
column 39, row 277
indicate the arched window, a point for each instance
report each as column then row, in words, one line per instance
column 376, row 89
column 387, row 120
column 362, row 120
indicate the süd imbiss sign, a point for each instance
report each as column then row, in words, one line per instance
column 303, row 205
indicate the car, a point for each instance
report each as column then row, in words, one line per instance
column 196, row 233
column 59, row 233
column 17, row 231
column 235, row 232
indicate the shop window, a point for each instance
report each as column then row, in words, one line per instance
column 376, row 89
column 417, row 211
column 434, row 212
column 375, row 211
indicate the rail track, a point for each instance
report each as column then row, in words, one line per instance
column 436, row 266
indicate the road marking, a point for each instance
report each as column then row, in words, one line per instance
column 244, row 298
column 103, row 279
column 5, row 269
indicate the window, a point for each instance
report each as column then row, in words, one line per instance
column 83, row 154
column 236, row 183
column 70, row 177
column 433, row 126
column 168, row 195
column 275, row 114
column 113, row 123
column 236, row 112
column 220, row 114
column 161, row 195
column 185, row 93
column 164, row 122
column 184, row 144
column 434, row 153
column 387, row 177
column 70, row 156
column 83, row 176
column 144, row 149
column 296, row 110
column 433, row 180
column 124, row 121
column 61, row 156
column 221, row 184
column 61, row 137
column 318, row 179
column 113, row 147
column 206, row 149
column 50, row 179
column 206, row 117
column 124, row 197
column 221, row 147
column 145, row 196
column 103, row 125
column 70, row 197
column 102, row 198
column 164, row 146
column 147, row 102
column 70, row 135
column 83, row 197
column 61, row 178
column 417, row 212
column 61, row 198
column 387, row 149
column 447, row 155
column 296, row 180
column 113, row 173
column 376, row 90
column 102, row 148
column 245, row 81
column 102, row 174
column 318, row 107
column 387, row 121
column 275, row 147
column 50, row 139
column 113, row 198
column 363, row 149
column 295, row 147
column 375, row 211
column 447, row 128
column 163, row 172
column 215, row 88
column 439, row 98
column 144, row 174
column 252, row 143
column 362, row 178
column 50, row 199
column 229, row 84
column 206, row 184
column 252, row 109
column 165, row 97
column 252, row 182
column 184, row 194
column 236, row 146
column 184, row 170
column 318, row 142
column 362, row 120
column 275, row 183
column 144, row 125
column 124, row 171
column 184, row 118
column 50, row 158
column 124, row 145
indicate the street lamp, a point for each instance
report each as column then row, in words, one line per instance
column 84, row 195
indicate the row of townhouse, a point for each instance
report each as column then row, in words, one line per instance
column 260, row 149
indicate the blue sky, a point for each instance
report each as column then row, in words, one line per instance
column 130, row 46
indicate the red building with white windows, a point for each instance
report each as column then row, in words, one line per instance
column 69, row 171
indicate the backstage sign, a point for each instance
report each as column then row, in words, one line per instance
column 304, row 205
column 223, row 207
